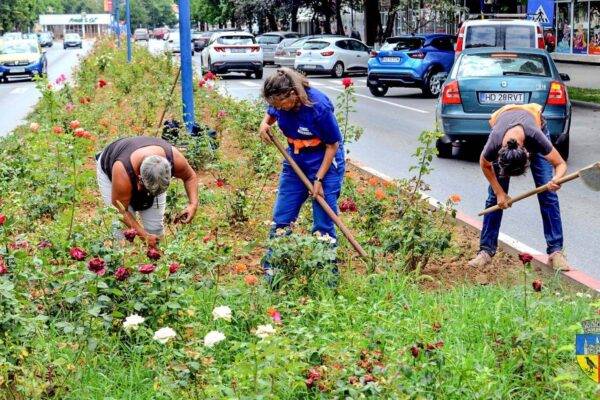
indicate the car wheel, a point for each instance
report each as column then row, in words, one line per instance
column 444, row 149
column 248, row 74
column 431, row 85
column 64, row 47
column 258, row 74
column 563, row 148
column 338, row 70
column 379, row 90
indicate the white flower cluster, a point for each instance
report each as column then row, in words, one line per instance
column 165, row 334
column 222, row 312
column 132, row 322
column 264, row 331
column 213, row 338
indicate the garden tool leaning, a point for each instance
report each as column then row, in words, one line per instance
column 320, row 199
column 589, row 175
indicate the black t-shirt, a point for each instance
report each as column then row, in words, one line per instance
column 536, row 142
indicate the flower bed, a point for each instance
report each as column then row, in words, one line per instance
column 83, row 316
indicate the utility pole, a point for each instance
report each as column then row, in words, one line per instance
column 128, row 22
column 118, row 14
column 185, row 43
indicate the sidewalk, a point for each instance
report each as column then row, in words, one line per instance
column 582, row 75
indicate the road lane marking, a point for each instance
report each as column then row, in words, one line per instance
column 383, row 101
column 251, row 84
column 313, row 83
column 19, row 90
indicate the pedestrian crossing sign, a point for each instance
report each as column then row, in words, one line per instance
column 541, row 11
column 540, row 15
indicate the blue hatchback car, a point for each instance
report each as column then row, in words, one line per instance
column 411, row 61
column 485, row 79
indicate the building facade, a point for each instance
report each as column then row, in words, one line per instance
column 87, row 25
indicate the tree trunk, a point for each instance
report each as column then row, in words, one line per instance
column 338, row 17
column 372, row 21
column 272, row 22
column 294, row 26
column 391, row 18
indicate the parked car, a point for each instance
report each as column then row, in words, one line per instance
column 411, row 61
column 141, row 34
column 233, row 52
column 12, row 36
column 482, row 80
column 72, row 40
column 45, row 39
column 21, row 58
column 200, row 39
column 269, row 41
column 287, row 51
column 159, row 33
column 505, row 33
column 29, row 36
column 173, row 43
column 332, row 55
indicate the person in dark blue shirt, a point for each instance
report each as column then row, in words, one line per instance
column 306, row 117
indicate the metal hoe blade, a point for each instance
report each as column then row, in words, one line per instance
column 591, row 176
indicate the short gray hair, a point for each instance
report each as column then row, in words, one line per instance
column 156, row 174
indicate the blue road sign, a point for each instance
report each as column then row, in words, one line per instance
column 541, row 11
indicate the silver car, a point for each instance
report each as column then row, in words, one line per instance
column 72, row 40
column 285, row 56
column 269, row 41
column 333, row 56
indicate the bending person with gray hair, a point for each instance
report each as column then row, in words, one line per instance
column 134, row 174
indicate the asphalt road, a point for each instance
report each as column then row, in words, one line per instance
column 17, row 97
column 392, row 126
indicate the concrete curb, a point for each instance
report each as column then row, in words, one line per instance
column 505, row 242
column 585, row 104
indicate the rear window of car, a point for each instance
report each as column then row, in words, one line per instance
column 139, row 31
column 234, row 40
column 511, row 36
column 315, row 45
column 404, row 44
column 503, row 64
column 269, row 39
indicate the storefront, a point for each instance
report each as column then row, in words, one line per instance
column 577, row 30
column 87, row 25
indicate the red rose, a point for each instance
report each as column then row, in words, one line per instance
column 209, row 76
column 220, row 183
column 122, row 273
column 173, row 268
column 2, row 219
column 3, row 269
column 58, row 129
column 101, row 83
column 439, row 344
column 147, row 268
column 130, row 234
column 206, row 239
column 44, row 244
column 369, row 378
column 415, row 351
column 347, row 82
column 78, row 254
column 525, row 258
column 202, row 83
column 537, row 285
column 314, row 374
column 74, row 124
column 96, row 265
column 436, row 326
column 153, row 254
column 82, row 101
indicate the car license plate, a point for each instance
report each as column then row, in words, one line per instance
column 238, row 50
column 391, row 59
column 17, row 70
column 501, row 98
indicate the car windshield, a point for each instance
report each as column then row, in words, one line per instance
column 413, row 43
column 235, row 40
column 269, row 39
column 72, row 36
column 18, row 48
column 315, row 45
column 503, row 64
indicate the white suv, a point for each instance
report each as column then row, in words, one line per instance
column 505, row 33
column 335, row 55
column 233, row 52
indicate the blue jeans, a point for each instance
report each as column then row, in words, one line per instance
column 292, row 194
column 542, row 172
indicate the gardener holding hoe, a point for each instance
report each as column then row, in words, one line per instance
column 519, row 134
column 134, row 174
column 305, row 116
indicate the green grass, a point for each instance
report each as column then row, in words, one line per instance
column 584, row 94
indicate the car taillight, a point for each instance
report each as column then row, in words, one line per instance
column 540, row 41
column 451, row 94
column 327, row 53
column 298, row 53
column 459, row 42
column 279, row 53
column 255, row 49
column 373, row 54
column 416, row 55
column 220, row 49
column 557, row 94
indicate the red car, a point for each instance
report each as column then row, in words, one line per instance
column 159, row 33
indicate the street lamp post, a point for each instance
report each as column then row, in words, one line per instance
column 128, row 22
column 118, row 14
column 185, row 43
column 83, row 15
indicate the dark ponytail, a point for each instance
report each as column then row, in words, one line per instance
column 513, row 159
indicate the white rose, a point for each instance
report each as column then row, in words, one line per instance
column 222, row 312
column 263, row 331
column 133, row 321
column 213, row 338
column 163, row 335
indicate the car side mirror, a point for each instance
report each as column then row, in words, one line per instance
column 564, row 77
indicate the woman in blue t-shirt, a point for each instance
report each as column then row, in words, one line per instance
column 305, row 116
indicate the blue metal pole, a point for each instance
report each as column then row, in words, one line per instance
column 118, row 24
column 187, row 88
column 128, row 22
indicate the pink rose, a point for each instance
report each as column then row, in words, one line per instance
column 173, row 268
column 147, row 268
column 153, row 254
column 96, row 265
column 78, row 254
column 122, row 274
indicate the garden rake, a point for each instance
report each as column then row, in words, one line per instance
column 320, row 199
column 589, row 175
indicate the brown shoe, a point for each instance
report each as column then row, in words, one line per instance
column 481, row 260
column 558, row 261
